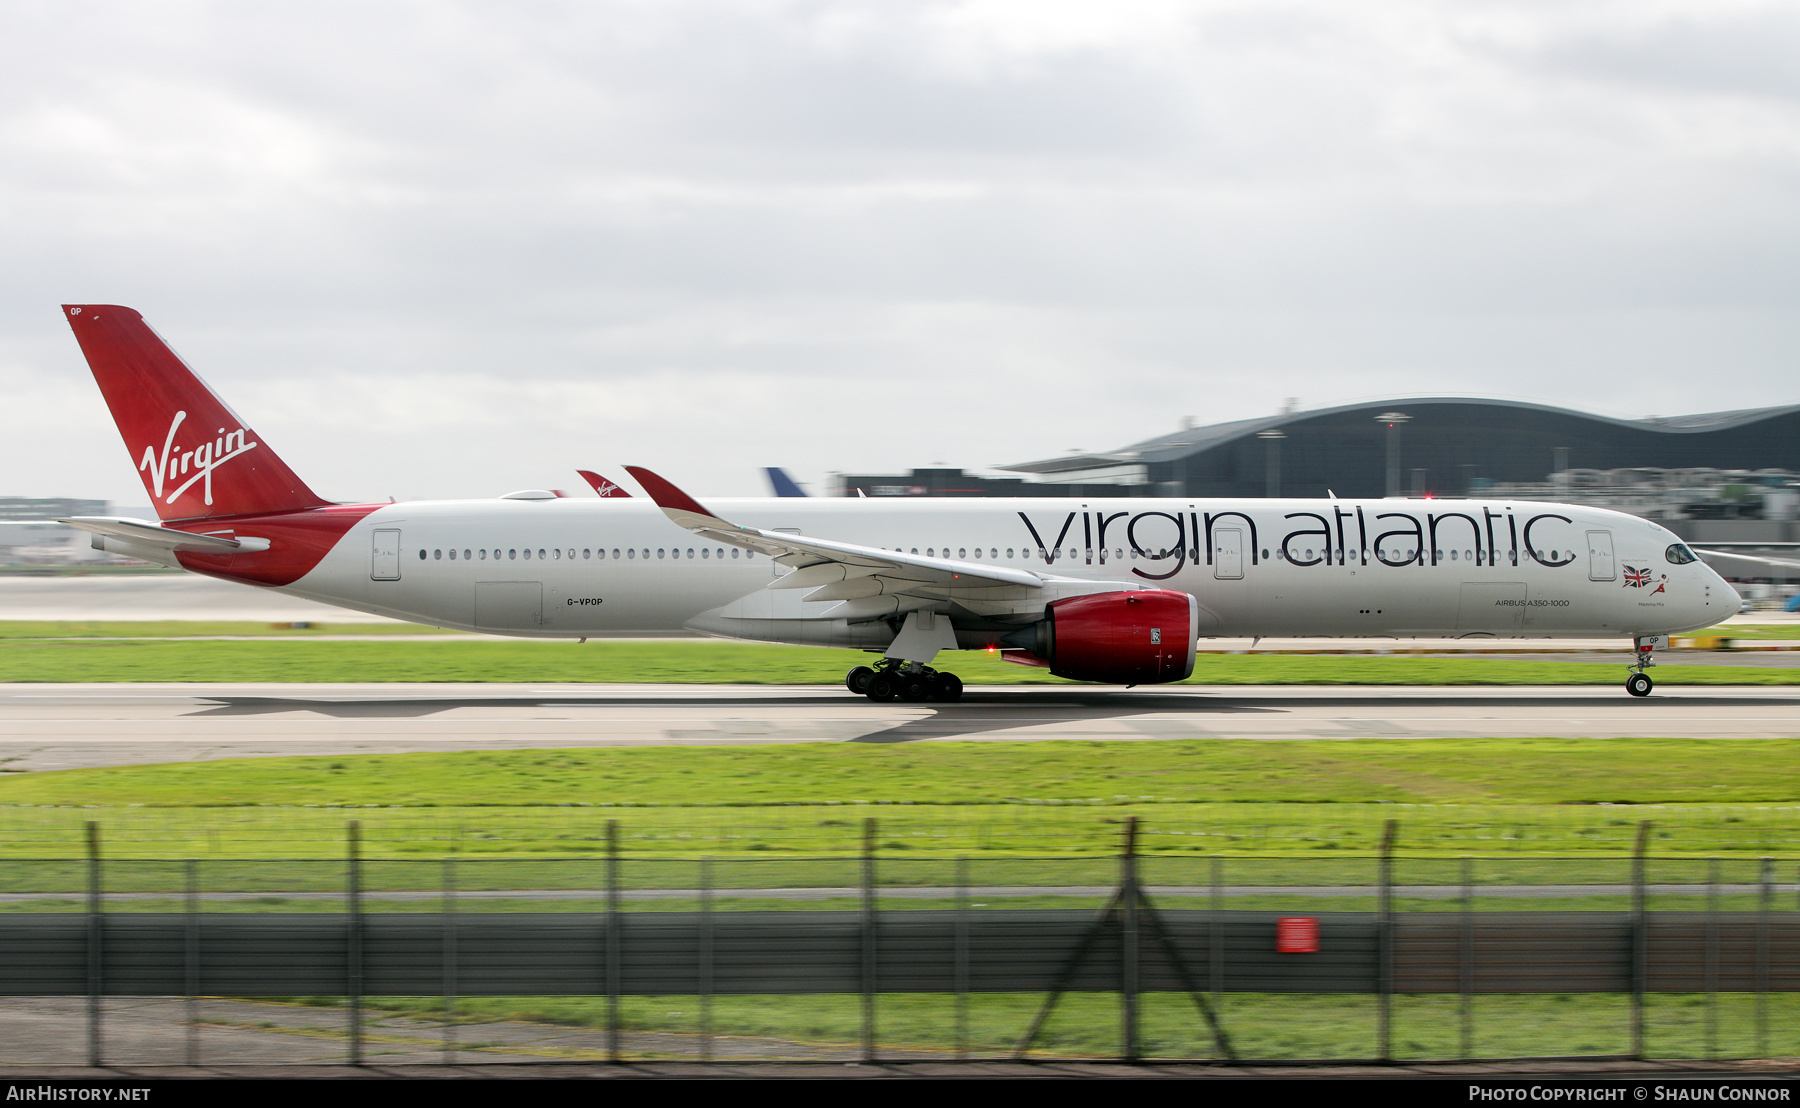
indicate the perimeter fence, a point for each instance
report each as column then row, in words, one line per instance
column 620, row 957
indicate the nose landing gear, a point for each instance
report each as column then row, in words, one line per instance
column 909, row 681
column 1639, row 683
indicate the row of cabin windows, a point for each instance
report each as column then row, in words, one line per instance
column 549, row 554
column 993, row 553
column 1397, row 554
column 1406, row 553
column 556, row 554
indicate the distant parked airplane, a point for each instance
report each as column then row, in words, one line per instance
column 782, row 484
column 1112, row 590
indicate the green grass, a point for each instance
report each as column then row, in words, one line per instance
column 1211, row 771
column 1752, row 631
column 103, row 659
column 1307, row 798
column 525, row 879
column 1272, row 1026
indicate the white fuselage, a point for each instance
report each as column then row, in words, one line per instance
column 568, row 568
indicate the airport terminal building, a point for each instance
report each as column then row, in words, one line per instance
column 1442, row 446
column 1720, row 477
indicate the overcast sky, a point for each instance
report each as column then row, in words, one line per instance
column 444, row 249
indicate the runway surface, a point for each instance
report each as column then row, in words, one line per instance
column 159, row 596
column 65, row 726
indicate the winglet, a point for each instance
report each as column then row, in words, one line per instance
column 601, row 485
column 683, row 509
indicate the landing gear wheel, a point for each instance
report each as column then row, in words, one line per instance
column 857, row 680
column 915, row 687
column 1639, row 684
column 881, row 688
column 947, row 687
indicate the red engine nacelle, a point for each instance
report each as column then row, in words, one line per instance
column 1127, row 638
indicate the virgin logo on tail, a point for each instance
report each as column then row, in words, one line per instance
column 600, row 485
column 177, row 461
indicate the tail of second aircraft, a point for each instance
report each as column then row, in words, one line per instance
column 196, row 457
column 782, row 483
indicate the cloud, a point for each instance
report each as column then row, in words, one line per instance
column 453, row 249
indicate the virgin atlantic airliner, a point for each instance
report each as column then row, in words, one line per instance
column 1109, row 590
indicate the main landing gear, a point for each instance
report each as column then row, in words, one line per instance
column 896, row 680
column 1639, row 683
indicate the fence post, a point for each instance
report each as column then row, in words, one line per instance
column 706, row 958
column 1467, row 983
column 962, row 957
column 612, row 940
column 1128, row 943
column 192, row 960
column 1712, row 957
column 1384, row 933
column 868, row 940
column 1762, row 956
column 450, row 960
column 353, row 883
column 95, row 973
column 1640, row 939
column 1216, row 939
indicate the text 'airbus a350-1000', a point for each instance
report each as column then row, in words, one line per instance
column 1115, row 591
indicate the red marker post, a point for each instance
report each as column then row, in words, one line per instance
column 1297, row 935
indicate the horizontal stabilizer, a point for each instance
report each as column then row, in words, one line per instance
column 150, row 534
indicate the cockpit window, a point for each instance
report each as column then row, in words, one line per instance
column 1680, row 555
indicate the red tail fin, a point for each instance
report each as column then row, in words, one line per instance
column 602, row 487
column 197, row 458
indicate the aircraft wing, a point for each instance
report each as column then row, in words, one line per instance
column 836, row 570
column 145, row 533
column 869, row 582
column 1778, row 563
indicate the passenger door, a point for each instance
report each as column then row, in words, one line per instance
column 1601, row 566
column 384, row 562
column 1228, row 553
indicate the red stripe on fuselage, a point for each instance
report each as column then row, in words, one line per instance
column 298, row 541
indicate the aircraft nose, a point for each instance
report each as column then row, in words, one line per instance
column 1732, row 601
